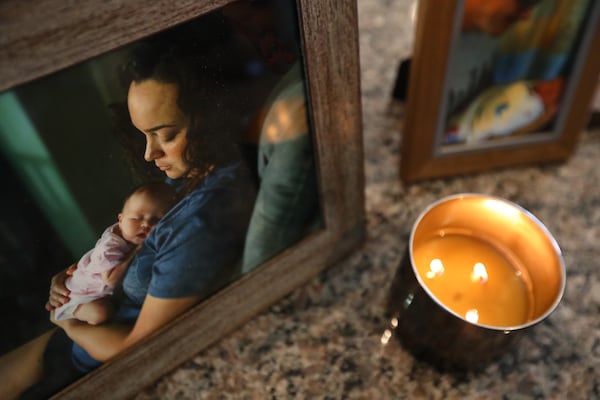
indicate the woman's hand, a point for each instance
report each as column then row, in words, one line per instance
column 59, row 294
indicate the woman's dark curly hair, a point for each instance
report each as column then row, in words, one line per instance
column 180, row 58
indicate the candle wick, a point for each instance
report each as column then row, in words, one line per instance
column 479, row 274
column 478, row 278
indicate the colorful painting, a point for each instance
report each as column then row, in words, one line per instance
column 509, row 71
column 498, row 83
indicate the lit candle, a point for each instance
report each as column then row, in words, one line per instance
column 474, row 279
column 479, row 273
column 478, row 270
column 472, row 316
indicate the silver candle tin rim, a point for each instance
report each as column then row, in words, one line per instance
column 528, row 214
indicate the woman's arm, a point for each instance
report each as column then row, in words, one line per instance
column 105, row 341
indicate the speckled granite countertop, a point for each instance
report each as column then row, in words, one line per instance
column 323, row 340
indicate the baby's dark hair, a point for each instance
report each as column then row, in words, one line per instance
column 160, row 192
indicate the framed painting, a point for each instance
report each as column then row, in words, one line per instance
column 274, row 75
column 498, row 84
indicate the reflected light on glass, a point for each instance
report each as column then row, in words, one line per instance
column 413, row 12
column 502, row 208
column 408, row 300
column 385, row 338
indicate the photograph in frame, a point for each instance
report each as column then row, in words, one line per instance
column 509, row 85
column 46, row 164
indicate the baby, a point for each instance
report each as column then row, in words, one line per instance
column 101, row 268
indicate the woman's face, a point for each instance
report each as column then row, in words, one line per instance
column 154, row 112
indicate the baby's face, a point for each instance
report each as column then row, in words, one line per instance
column 139, row 216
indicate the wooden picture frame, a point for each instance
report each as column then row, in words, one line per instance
column 45, row 36
column 425, row 155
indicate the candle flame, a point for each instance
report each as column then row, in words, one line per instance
column 472, row 316
column 436, row 268
column 479, row 273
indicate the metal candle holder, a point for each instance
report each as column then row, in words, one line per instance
column 429, row 328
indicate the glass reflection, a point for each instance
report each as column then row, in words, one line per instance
column 71, row 149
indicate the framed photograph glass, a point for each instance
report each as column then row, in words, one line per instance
column 272, row 90
column 498, row 84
